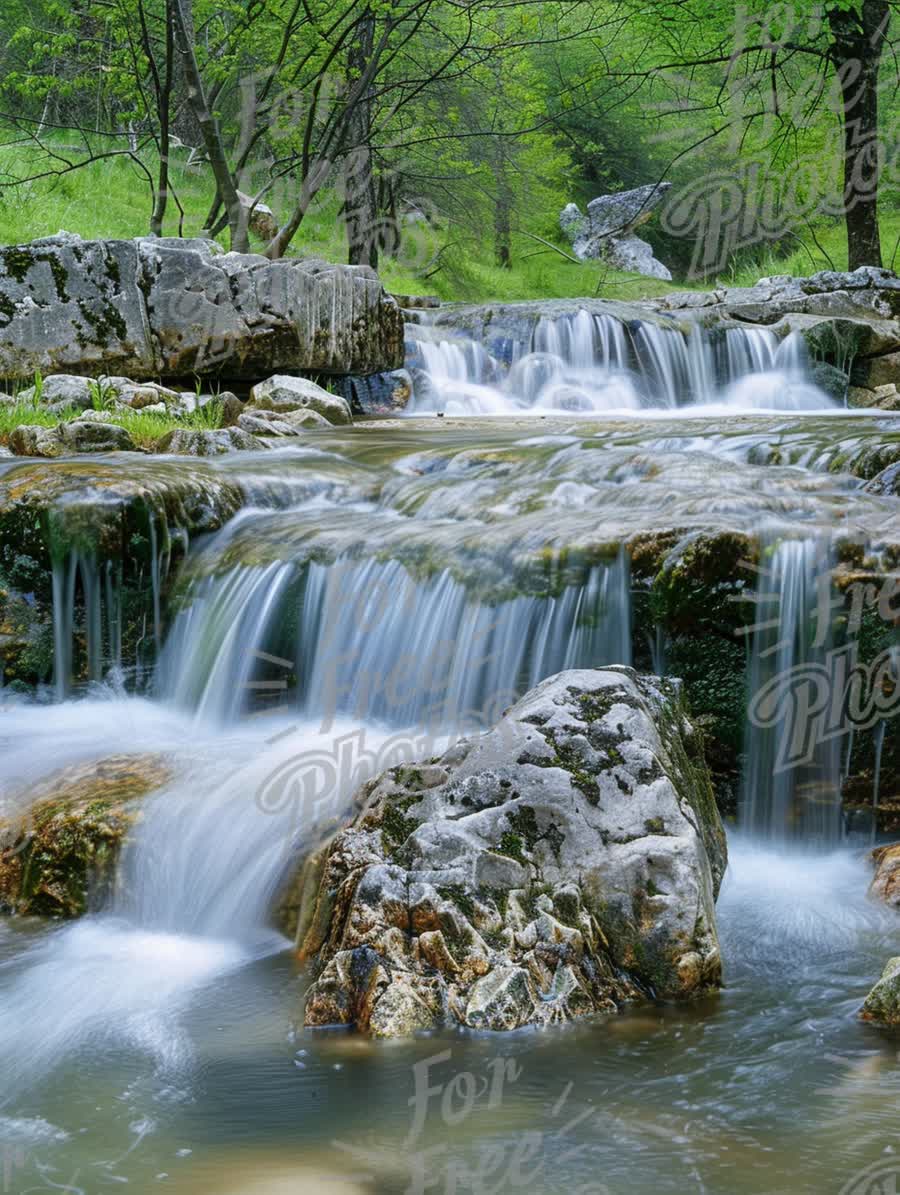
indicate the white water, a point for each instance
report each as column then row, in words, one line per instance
column 369, row 641
column 140, row 1007
column 792, row 778
column 586, row 364
column 195, row 886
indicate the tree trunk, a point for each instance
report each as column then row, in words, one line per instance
column 164, row 104
column 209, row 129
column 360, row 198
column 858, row 39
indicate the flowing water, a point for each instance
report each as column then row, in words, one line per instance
column 384, row 589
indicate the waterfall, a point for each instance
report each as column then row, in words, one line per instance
column 593, row 362
column 792, row 776
column 365, row 639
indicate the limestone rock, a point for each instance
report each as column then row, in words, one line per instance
column 636, row 257
column 882, row 1005
column 61, row 390
column 59, row 844
column 32, row 439
column 557, row 866
column 284, row 394
column 92, row 435
column 169, row 307
column 195, row 442
column 619, row 214
column 607, row 229
column 261, row 220
column 883, row 370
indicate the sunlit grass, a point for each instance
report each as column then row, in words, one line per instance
column 145, row 428
column 110, row 198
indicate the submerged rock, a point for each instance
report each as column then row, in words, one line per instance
column 169, row 307
column 561, row 864
column 882, row 1005
column 58, row 853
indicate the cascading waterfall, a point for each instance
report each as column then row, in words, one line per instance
column 367, row 640
column 792, row 776
column 586, row 362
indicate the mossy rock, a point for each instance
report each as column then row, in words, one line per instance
column 58, row 857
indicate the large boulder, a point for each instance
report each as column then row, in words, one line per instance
column 284, row 394
column 559, row 865
column 607, row 229
column 156, row 307
column 59, row 844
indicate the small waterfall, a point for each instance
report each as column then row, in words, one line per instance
column 99, row 586
column 792, row 777
column 367, row 640
column 584, row 361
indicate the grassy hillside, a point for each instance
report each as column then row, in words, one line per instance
column 110, row 199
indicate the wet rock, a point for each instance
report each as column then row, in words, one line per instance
column 195, row 442
column 558, row 866
column 273, row 423
column 92, row 435
column 833, row 381
column 885, row 482
column 885, row 886
column 32, row 439
column 60, row 842
column 232, row 408
column 873, row 372
column 284, row 394
column 882, row 1005
column 170, row 307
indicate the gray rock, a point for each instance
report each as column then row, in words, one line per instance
column 618, row 215
column 872, row 372
column 91, row 435
column 573, row 221
column 232, row 408
column 561, row 864
column 829, row 378
column 864, row 294
column 61, row 390
column 284, row 394
column 885, row 482
column 272, row 423
column 607, row 229
column 261, row 220
column 635, row 256
column 882, row 1005
column 194, row 442
column 34, row 440
column 157, row 307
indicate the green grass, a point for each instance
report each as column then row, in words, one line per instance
column 145, row 429
column 110, row 199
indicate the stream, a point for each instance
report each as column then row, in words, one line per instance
column 385, row 589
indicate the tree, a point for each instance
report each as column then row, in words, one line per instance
column 774, row 74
